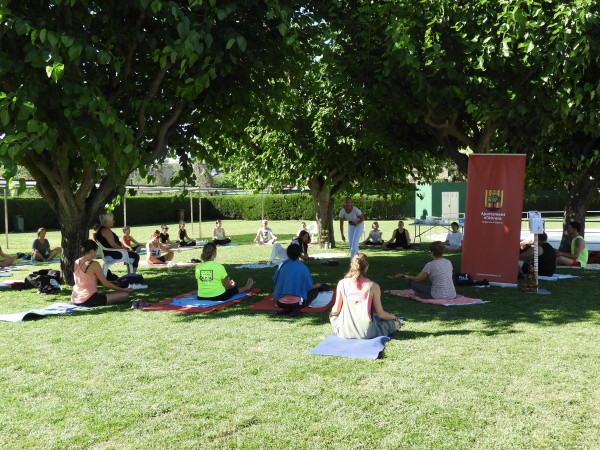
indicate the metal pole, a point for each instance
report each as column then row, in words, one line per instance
column 192, row 211
column 124, row 210
column 262, row 205
column 535, row 260
column 6, row 211
column 200, row 213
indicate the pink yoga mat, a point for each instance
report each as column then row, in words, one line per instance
column 459, row 300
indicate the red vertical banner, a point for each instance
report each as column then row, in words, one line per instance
column 493, row 217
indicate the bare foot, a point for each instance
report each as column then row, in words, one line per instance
column 249, row 284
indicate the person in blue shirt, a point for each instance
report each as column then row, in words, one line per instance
column 294, row 286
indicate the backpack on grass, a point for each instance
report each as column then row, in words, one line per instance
column 41, row 278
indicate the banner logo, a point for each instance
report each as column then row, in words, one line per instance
column 494, row 199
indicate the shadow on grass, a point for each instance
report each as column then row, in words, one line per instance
column 572, row 300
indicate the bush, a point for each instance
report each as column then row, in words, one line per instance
column 147, row 209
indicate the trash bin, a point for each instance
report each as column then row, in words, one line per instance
column 180, row 215
column 19, row 223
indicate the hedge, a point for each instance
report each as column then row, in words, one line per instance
column 147, row 209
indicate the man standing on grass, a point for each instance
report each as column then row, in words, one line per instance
column 356, row 226
column 579, row 252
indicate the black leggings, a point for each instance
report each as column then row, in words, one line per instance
column 117, row 255
column 224, row 296
column 221, row 241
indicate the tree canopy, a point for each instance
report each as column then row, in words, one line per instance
column 483, row 75
column 91, row 90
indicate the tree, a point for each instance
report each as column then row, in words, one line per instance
column 319, row 135
column 480, row 75
column 91, row 90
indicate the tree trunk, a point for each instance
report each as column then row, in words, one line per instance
column 578, row 201
column 324, row 207
column 75, row 229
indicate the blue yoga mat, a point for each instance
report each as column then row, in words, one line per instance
column 192, row 300
column 6, row 274
column 351, row 348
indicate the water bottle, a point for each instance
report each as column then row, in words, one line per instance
column 54, row 283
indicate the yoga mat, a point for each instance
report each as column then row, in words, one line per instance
column 558, row 276
column 322, row 300
column 179, row 264
column 460, row 300
column 6, row 274
column 268, row 304
column 257, row 266
column 57, row 308
column 329, row 255
column 15, row 267
column 4, row 286
column 541, row 292
column 167, row 305
column 192, row 300
column 351, row 348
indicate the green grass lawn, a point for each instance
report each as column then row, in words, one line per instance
column 519, row 372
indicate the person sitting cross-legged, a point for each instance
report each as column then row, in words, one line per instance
column 356, row 298
column 87, row 273
column 213, row 281
column 129, row 241
column 454, row 239
column 439, row 272
column 546, row 257
column 579, row 251
column 8, row 259
column 154, row 248
column 264, row 235
column 400, row 238
column 184, row 239
column 375, row 235
column 218, row 235
column 41, row 248
column 294, row 288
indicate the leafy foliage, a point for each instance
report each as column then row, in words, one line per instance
column 91, row 90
